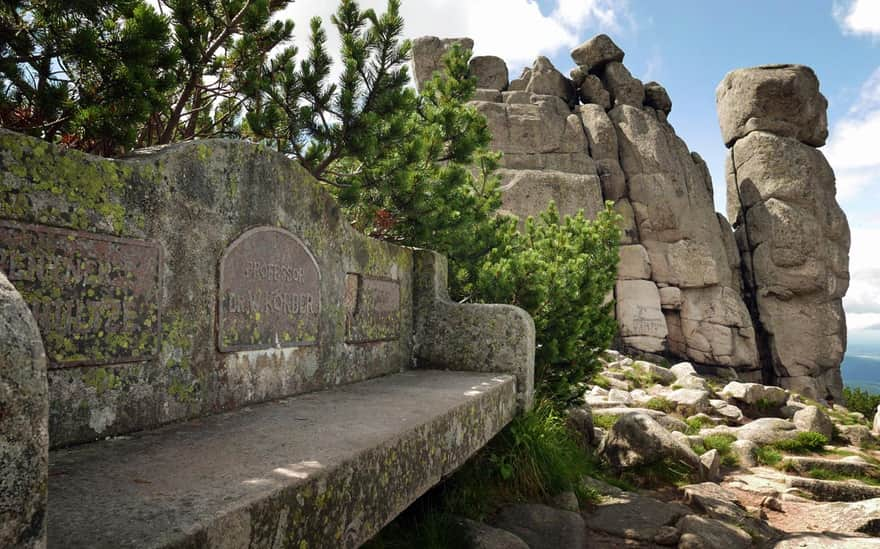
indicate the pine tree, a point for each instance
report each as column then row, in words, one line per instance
column 412, row 169
column 84, row 72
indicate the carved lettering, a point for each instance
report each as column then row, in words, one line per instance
column 269, row 292
column 95, row 298
column 372, row 309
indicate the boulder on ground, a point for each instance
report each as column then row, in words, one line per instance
column 690, row 401
column 703, row 533
column 811, row 418
column 755, row 394
column 483, row 536
column 745, row 452
column 542, row 526
column 683, row 369
column 632, row 516
column 637, row 439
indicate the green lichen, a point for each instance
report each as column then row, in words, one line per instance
column 101, row 379
column 91, row 187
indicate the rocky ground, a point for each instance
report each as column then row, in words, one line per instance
column 707, row 463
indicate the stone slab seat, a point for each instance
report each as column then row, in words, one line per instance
column 198, row 350
column 328, row 468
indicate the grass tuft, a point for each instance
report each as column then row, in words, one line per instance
column 661, row 404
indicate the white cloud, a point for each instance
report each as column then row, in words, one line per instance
column 862, row 301
column 857, row 322
column 852, row 147
column 515, row 30
column 858, row 16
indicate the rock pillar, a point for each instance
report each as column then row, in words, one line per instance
column 792, row 234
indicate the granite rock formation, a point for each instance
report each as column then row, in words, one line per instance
column 600, row 134
column 792, row 234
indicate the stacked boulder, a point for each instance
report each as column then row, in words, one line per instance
column 792, row 234
column 600, row 134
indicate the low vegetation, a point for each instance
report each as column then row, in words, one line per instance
column 534, row 458
column 696, row 423
column 806, row 442
column 860, row 400
column 722, row 443
column 661, row 404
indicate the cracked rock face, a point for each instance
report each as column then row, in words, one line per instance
column 792, row 234
column 603, row 135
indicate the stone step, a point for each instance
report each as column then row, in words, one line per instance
column 325, row 469
column 834, row 490
column 804, row 464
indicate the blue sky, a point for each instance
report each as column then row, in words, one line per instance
column 688, row 46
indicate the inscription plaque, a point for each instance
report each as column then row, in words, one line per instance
column 372, row 307
column 95, row 298
column 270, row 292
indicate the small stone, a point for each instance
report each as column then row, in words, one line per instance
column 483, row 536
column 683, row 369
column 542, row 526
column 667, row 535
column 711, row 461
column 772, row 503
column 745, row 452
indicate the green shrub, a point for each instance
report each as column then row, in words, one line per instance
column 804, row 442
column 537, row 456
column 561, row 272
column 696, row 423
column 722, row 443
column 640, row 377
column 860, row 400
column 660, row 474
column 662, row 404
column 601, row 381
column 605, row 421
column 767, row 455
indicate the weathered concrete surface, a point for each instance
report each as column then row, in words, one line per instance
column 327, row 469
column 24, row 424
column 474, row 337
column 192, row 201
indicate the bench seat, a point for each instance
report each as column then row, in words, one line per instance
column 325, row 469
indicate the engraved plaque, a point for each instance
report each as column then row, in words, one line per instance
column 95, row 298
column 372, row 307
column 270, row 292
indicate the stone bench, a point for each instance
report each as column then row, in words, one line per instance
column 196, row 350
